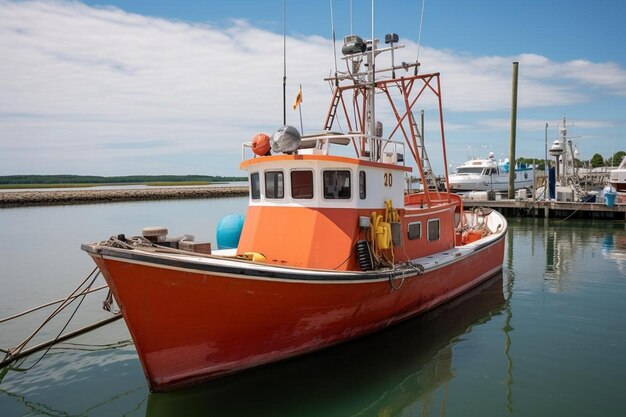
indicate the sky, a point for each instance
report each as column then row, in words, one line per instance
column 175, row 87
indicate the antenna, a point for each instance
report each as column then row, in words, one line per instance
column 332, row 29
column 371, row 92
column 351, row 32
column 419, row 37
column 284, row 63
column 373, row 29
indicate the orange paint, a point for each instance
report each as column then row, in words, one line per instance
column 325, row 238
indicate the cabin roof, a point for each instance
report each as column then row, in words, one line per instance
column 334, row 158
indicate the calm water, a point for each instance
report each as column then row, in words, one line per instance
column 546, row 337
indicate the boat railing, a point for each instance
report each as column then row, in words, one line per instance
column 388, row 151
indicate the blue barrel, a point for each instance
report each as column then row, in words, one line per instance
column 610, row 199
column 229, row 231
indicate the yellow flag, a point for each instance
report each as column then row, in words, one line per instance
column 298, row 99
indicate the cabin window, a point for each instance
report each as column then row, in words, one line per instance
column 255, row 186
column 302, row 184
column 415, row 230
column 337, row 184
column 274, row 184
column 469, row 170
column 433, row 230
column 362, row 192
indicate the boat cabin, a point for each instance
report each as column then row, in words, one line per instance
column 311, row 207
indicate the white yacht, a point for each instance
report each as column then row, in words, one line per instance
column 489, row 175
column 618, row 177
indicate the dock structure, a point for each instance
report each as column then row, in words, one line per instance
column 551, row 209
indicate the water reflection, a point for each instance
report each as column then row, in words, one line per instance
column 568, row 246
column 565, row 248
column 568, row 345
column 614, row 249
column 407, row 367
column 76, row 379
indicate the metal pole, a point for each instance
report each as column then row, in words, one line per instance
column 421, row 137
column 370, row 96
column 545, row 169
column 332, row 29
column 300, row 109
column 558, row 171
column 513, row 132
column 534, row 173
column 284, row 62
column 372, row 81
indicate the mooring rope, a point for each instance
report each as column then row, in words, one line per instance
column 19, row 351
column 66, row 323
column 56, row 311
column 32, row 310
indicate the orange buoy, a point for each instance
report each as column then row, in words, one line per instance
column 261, row 144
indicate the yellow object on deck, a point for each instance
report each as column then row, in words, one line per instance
column 391, row 214
column 382, row 231
column 255, row 257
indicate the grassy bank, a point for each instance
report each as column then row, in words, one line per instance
column 174, row 183
column 46, row 198
column 62, row 185
column 24, row 182
column 87, row 185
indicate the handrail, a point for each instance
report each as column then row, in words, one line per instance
column 323, row 141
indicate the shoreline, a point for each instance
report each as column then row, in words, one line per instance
column 71, row 197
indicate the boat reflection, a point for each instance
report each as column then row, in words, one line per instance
column 379, row 375
column 576, row 242
column 614, row 249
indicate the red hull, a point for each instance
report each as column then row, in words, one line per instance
column 190, row 326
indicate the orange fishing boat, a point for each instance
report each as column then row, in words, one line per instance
column 333, row 246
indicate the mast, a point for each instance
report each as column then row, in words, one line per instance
column 371, row 92
column 370, row 103
column 284, row 62
column 362, row 85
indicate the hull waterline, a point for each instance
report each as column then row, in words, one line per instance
column 394, row 360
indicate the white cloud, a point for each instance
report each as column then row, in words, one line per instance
column 103, row 91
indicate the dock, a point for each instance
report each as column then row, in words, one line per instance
column 551, row 209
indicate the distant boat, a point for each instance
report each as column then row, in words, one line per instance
column 617, row 177
column 489, row 175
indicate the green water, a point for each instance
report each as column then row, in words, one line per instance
column 545, row 337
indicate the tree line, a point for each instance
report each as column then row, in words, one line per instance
column 596, row 161
column 93, row 179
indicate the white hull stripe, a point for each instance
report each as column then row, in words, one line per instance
column 247, row 270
